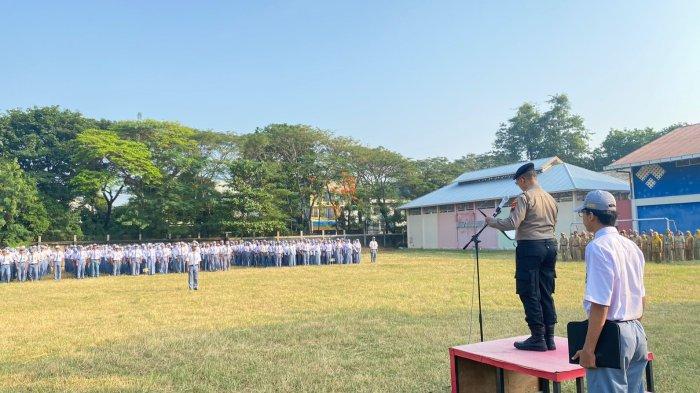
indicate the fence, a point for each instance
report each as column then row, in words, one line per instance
column 391, row 240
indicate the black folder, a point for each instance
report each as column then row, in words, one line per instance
column 607, row 351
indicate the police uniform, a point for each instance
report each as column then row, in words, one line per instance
column 564, row 247
column 534, row 217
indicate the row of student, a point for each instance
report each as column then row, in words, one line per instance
column 33, row 263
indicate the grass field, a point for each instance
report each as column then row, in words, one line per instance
column 362, row 328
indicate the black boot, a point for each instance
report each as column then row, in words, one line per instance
column 549, row 337
column 534, row 342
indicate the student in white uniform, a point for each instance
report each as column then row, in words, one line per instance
column 193, row 259
column 614, row 292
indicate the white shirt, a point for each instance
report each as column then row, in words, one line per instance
column 373, row 245
column 614, row 275
column 194, row 258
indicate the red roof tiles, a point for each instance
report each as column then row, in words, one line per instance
column 680, row 143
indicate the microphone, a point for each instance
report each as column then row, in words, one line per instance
column 504, row 202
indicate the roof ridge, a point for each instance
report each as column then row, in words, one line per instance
column 568, row 172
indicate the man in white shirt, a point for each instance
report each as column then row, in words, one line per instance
column 57, row 258
column 614, row 292
column 193, row 259
column 373, row 247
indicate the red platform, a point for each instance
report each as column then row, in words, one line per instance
column 501, row 355
column 551, row 365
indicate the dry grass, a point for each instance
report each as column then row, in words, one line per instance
column 332, row 328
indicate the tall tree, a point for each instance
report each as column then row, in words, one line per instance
column 250, row 205
column 521, row 137
column 22, row 215
column 40, row 139
column 556, row 132
column 564, row 134
column 298, row 149
column 108, row 166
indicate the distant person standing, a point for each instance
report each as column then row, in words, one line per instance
column 564, row 247
column 194, row 257
column 5, row 266
column 373, row 248
column 57, row 259
column 614, row 291
column 575, row 243
column 533, row 216
column 696, row 244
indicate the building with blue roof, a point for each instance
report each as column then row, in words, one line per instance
column 449, row 216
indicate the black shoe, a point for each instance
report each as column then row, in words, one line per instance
column 535, row 342
column 549, row 338
column 532, row 343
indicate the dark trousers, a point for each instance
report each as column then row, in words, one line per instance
column 535, row 274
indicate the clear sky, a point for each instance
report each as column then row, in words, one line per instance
column 424, row 78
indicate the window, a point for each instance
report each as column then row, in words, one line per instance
column 688, row 162
column 461, row 207
column 414, row 212
column 563, row 197
column 485, row 205
column 447, row 208
column 430, row 210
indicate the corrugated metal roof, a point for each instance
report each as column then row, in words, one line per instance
column 557, row 178
column 504, row 170
column 681, row 143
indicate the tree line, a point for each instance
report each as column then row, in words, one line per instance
column 64, row 174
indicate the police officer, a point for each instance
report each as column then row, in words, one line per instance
column 564, row 247
column 534, row 216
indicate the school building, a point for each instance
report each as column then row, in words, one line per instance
column 665, row 181
column 448, row 217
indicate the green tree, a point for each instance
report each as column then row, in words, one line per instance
column 40, row 139
column 299, row 150
column 521, row 137
column 556, row 132
column 109, row 165
column 22, row 215
column 250, row 205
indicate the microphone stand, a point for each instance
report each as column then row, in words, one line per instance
column 475, row 239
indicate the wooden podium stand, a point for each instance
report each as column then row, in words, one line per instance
column 496, row 366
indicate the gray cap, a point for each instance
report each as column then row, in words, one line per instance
column 599, row 200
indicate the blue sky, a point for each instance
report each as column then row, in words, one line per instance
column 425, row 78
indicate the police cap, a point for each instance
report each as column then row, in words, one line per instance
column 523, row 170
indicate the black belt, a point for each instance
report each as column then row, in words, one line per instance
column 539, row 241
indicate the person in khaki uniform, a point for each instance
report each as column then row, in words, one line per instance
column 668, row 246
column 584, row 243
column 689, row 240
column 657, row 246
column 679, row 246
column 564, row 247
column 574, row 243
column 534, row 217
column 646, row 246
column 696, row 244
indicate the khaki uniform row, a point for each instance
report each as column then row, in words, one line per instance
column 656, row 247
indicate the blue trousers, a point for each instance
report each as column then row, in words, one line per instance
column 630, row 378
column 94, row 268
column 373, row 255
column 33, row 272
column 56, row 270
column 193, row 276
column 79, row 270
column 5, row 272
